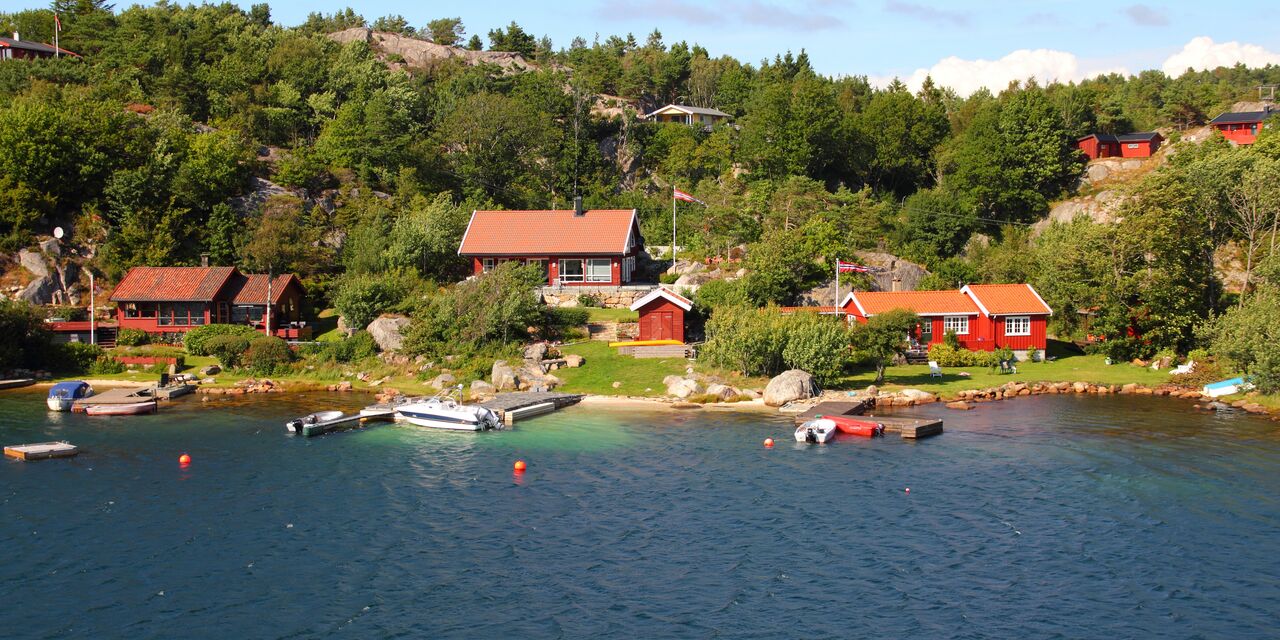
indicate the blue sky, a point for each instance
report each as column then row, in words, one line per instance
column 885, row 38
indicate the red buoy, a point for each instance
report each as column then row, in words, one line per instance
column 519, row 465
column 184, row 459
column 768, row 443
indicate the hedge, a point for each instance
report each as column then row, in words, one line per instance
column 196, row 340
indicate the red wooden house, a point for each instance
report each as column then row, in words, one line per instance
column 596, row 247
column 169, row 301
column 1242, row 127
column 662, row 314
column 984, row 317
column 1129, row 145
column 16, row 48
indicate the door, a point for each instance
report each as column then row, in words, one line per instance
column 664, row 326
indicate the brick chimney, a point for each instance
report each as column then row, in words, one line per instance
column 204, row 259
column 578, row 211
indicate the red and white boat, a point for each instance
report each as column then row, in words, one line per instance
column 856, row 427
column 131, row 409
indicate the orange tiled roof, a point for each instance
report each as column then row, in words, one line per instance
column 1004, row 299
column 560, row 232
column 253, row 288
column 171, row 284
column 808, row 309
column 931, row 303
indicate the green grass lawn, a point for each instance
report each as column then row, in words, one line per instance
column 603, row 366
column 1080, row 368
column 325, row 328
column 611, row 315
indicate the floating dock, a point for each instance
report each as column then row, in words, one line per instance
column 321, row 428
column 14, row 384
column 512, row 406
column 41, row 450
column 908, row 428
column 116, row 396
column 174, row 391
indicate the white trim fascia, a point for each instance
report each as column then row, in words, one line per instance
column 974, row 296
column 1037, row 295
column 661, row 292
column 467, row 232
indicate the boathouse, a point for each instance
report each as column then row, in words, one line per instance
column 685, row 114
column 169, row 301
column 662, row 315
column 984, row 317
column 1128, row 145
column 574, row 247
column 1242, row 127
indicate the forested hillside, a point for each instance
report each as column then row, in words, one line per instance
column 148, row 146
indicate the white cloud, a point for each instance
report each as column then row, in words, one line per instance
column 1203, row 53
column 967, row 76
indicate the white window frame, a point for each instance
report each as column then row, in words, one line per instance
column 926, row 329
column 486, row 265
column 956, row 324
column 579, row 277
column 590, row 266
column 1010, row 323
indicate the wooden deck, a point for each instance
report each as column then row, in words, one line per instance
column 908, row 428
column 512, row 406
column 41, row 450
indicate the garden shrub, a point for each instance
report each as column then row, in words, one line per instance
column 765, row 342
column 948, row 356
column 106, row 365
column 267, row 355
column 132, row 338
column 818, row 344
column 558, row 322
column 359, row 346
column 195, row 340
column 73, row 357
column 589, row 300
column 228, row 349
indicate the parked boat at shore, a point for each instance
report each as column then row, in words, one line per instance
column 133, row 409
column 447, row 413
column 298, row 424
column 64, row 394
column 816, row 431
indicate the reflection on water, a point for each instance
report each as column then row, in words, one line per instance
column 1044, row 517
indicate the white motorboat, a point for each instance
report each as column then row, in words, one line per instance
column 817, row 431
column 295, row 425
column 64, row 394
column 447, row 413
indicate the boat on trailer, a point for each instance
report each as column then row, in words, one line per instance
column 130, row 409
column 816, row 431
column 297, row 425
column 65, row 394
column 446, row 413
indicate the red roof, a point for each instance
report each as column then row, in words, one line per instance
column 818, row 310
column 253, row 288
column 536, row 233
column 171, row 284
column 925, row 303
column 1005, row 299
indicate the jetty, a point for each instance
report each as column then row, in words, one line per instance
column 41, row 450
column 116, row 396
column 513, row 406
column 908, row 428
column 15, row 383
column 355, row 419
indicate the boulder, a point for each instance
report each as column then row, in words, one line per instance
column 443, row 381
column 684, row 387
column 918, row 396
column 33, row 262
column 722, row 391
column 51, row 247
column 789, row 386
column 671, row 379
column 503, row 377
column 574, row 361
column 480, row 389
column 1129, row 388
column 211, row 370
column 387, row 331
column 960, row 405
column 616, row 384
column 39, row 292
column 536, row 351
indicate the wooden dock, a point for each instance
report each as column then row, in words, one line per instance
column 908, row 428
column 14, row 384
column 174, row 391
column 116, row 396
column 512, row 406
column 41, row 450
column 355, row 419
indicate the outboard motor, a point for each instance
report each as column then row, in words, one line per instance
column 810, row 436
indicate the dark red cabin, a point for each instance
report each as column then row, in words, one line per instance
column 170, row 301
column 1242, row 127
column 662, row 314
column 1130, row 145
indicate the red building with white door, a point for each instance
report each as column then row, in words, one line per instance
column 596, row 247
column 662, row 314
column 984, row 317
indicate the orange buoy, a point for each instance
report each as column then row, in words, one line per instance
column 908, row 489
column 184, row 459
column 519, row 465
column 768, row 443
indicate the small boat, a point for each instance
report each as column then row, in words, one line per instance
column 296, row 425
column 1226, row 387
column 447, row 413
column 64, row 394
column 855, row 427
column 130, row 409
column 817, row 431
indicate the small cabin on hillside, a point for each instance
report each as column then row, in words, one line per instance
column 16, row 48
column 574, row 247
column 1242, row 127
column 170, row 301
column 984, row 317
column 689, row 115
column 662, row 315
column 1129, row 145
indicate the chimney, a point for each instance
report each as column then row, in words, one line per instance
column 17, row 36
column 578, row 211
column 896, row 284
column 204, row 259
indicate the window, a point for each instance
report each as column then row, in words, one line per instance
column 244, row 314
column 599, row 270
column 486, row 265
column 1017, row 326
column 926, row 329
column 958, row 324
column 1133, row 145
column 571, row 271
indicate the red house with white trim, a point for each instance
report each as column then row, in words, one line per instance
column 1128, row 145
column 662, row 314
column 596, row 247
column 170, row 301
column 1242, row 127
column 985, row 317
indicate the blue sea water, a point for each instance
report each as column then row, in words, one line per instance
column 1049, row 517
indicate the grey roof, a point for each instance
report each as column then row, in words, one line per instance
column 700, row 111
column 1241, row 117
column 1139, row 136
column 32, row 46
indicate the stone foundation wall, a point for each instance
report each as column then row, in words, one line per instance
column 610, row 297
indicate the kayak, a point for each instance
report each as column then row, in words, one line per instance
column 855, row 426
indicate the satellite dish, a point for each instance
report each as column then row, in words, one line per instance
column 58, row 232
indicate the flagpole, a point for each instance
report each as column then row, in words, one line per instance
column 673, row 226
column 837, row 296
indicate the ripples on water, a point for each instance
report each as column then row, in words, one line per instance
column 1054, row 517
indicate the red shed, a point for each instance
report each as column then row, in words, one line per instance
column 662, row 314
column 1129, row 145
column 1242, row 127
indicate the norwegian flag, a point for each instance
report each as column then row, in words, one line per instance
column 847, row 267
column 680, row 195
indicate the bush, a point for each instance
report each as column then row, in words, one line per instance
column 196, row 339
column 765, row 342
column 360, row 299
column 558, row 322
column 106, row 365
column 228, row 349
column 132, row 337
column 73, row 357
column 948, row 356
column 267, row 355
column 589, row 300
column 668, row 278
column 359, row 346
column 817, row 344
